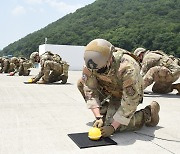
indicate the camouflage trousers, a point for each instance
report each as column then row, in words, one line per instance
column 162, row 77
column 109, row 108
column 24, row 69
column 53, row 72
column 8, row 67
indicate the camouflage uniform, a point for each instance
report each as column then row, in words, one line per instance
column 5, row 65
column 9, row 65
column 160, row 68
column 52, row 69
column 1, row 64
column 25, row 65
column 14, row 64
column 21, row 66
column 117, row 92
column 175, row 59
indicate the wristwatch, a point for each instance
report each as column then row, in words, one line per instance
column 98, row 118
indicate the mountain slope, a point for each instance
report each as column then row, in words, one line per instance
column 153, row 24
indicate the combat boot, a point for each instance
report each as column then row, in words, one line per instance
column 177, row 87
column 151, row 114
column 64, row 79
column 42, row 82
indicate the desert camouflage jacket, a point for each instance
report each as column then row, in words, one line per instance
column 158, row 58
column 122, row 82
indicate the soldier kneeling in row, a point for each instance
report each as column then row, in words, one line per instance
column 53, row 69
column 160, row 69
column 9, row 64
column 24, row 67
column 112, row 87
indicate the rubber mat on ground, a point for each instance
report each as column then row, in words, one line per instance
column 25, row 82
column 82, row 140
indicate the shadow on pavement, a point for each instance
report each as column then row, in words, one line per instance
column 59, row 83
column 170, row 95
column 128, row 138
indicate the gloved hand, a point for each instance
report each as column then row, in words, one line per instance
column 107, row 130
column 99, row 122
column 31, row 80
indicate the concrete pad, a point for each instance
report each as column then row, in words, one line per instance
column 35, row 119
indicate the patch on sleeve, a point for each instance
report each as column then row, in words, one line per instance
column 128, row 83
column 84, row 77
column 130, row 91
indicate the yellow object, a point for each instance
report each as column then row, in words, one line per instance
column 94, row 133
column 30, row 80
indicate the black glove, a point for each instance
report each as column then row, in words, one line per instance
column 99, row 122
column 107, row 130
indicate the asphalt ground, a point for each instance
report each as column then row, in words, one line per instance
column 35, row 119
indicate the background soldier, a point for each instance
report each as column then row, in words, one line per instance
column 9, row 65
column 5, row 65
column 158, row 67
column 14, row 64
column 112, row 87
column 53, row 69
column 175, row 59
column 24, row 65
column 34, row 57
column 1, row 64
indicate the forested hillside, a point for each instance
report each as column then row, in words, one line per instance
column 153, row 24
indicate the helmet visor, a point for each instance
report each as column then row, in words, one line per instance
column 95, row 60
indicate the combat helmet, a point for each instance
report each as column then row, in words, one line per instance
column 138, row 51
column 14, row 60
column 34, row 57
column 57, row 58
column 98, row 53
column 2, row 59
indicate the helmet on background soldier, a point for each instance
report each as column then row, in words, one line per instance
column 98, row 53
column 1, row 59
column 57, row 58
column 14, row 60
column 138, row 51
column 34, row 57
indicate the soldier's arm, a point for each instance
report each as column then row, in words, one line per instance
column 65, row 68
column 131, row 96
column 146, row 65
column 150, row 61
column 90, row 90
column 38, row 76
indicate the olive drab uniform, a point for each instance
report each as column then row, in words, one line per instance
column 117, row 92
column 160, row 68
column 52, row 68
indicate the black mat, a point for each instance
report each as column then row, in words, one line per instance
column 82, row 141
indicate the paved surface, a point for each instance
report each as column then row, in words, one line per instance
column 35, row 119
